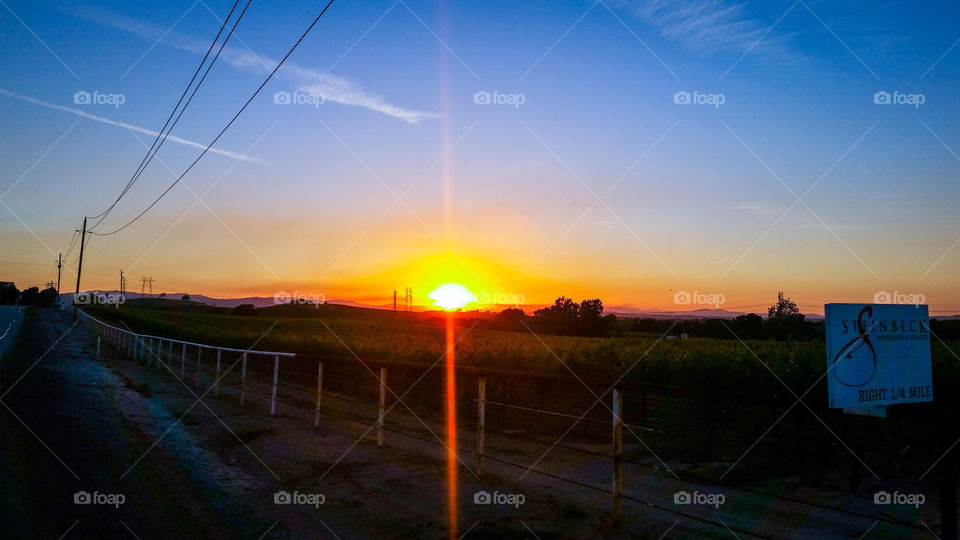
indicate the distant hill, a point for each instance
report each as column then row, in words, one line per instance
column 425, row 311
column 257, row 301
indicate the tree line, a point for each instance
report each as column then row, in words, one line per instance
column 31, row 296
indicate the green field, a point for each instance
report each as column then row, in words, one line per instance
column 331, row 330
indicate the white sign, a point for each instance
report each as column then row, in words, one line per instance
column 878, row 355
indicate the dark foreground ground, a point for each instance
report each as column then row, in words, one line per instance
column 190, row 468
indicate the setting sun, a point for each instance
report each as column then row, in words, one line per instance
column 451, row 296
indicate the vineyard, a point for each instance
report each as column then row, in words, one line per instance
column 340, row 331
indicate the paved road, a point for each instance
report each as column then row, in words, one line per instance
column 69, row 424
column 10, row 317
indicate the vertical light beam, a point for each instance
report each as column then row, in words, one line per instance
column 451, row 429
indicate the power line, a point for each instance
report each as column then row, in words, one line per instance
column 161, row 136
column 73, row 241
column 24, row 263
column 264, row 83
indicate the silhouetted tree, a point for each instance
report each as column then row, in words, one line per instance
column 590, row 321
column 30, row 296
column 9, row 294
column 749, row 326
column 560, row 318
column 185, row 298
column 245, row 310
column 784, row 320
column 47, row 297
column 510, row 319
column 569, row 318
column 784, row 307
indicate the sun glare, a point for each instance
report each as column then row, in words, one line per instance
column 451, row 296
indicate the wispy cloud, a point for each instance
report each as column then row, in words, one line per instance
column 84, row 114
column 758, row 209
column 706, row 25
column 308, row 80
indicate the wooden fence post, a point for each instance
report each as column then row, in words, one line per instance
column 617, row 455
column 243, row 378
column 170, row 353
column 199, row 367
column 316, row 411
column 276, row 374
column 183, row 360
column 98, row 347
column 481, row 421
column 383, row 395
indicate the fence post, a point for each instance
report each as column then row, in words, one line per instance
column 316, row 411
column 276, row 374
column 481, row 406
column 183, row 360
column 199, row 368
column 617, row 455
column 383, row 395
column 170, row 352
column 98, row 347
column 216, row 382
column 243, row 378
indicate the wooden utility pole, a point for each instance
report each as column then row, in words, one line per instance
column 59, row 264
column 83, row 236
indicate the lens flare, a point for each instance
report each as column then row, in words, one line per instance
column 451, row 296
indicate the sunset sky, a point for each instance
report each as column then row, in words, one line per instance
column 588, row 180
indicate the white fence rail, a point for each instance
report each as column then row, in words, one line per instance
column 150, row 348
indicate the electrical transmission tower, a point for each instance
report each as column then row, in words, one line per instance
column 146, row 284
column 407, row 298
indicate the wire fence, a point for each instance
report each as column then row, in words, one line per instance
column 512, row 407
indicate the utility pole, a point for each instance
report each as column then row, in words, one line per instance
column 83, row 236
column 121, row 281
column 59, row 264
column 394, row 302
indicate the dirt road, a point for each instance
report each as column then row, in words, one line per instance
column 191, row 464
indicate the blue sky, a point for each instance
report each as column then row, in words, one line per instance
column 700, row 193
